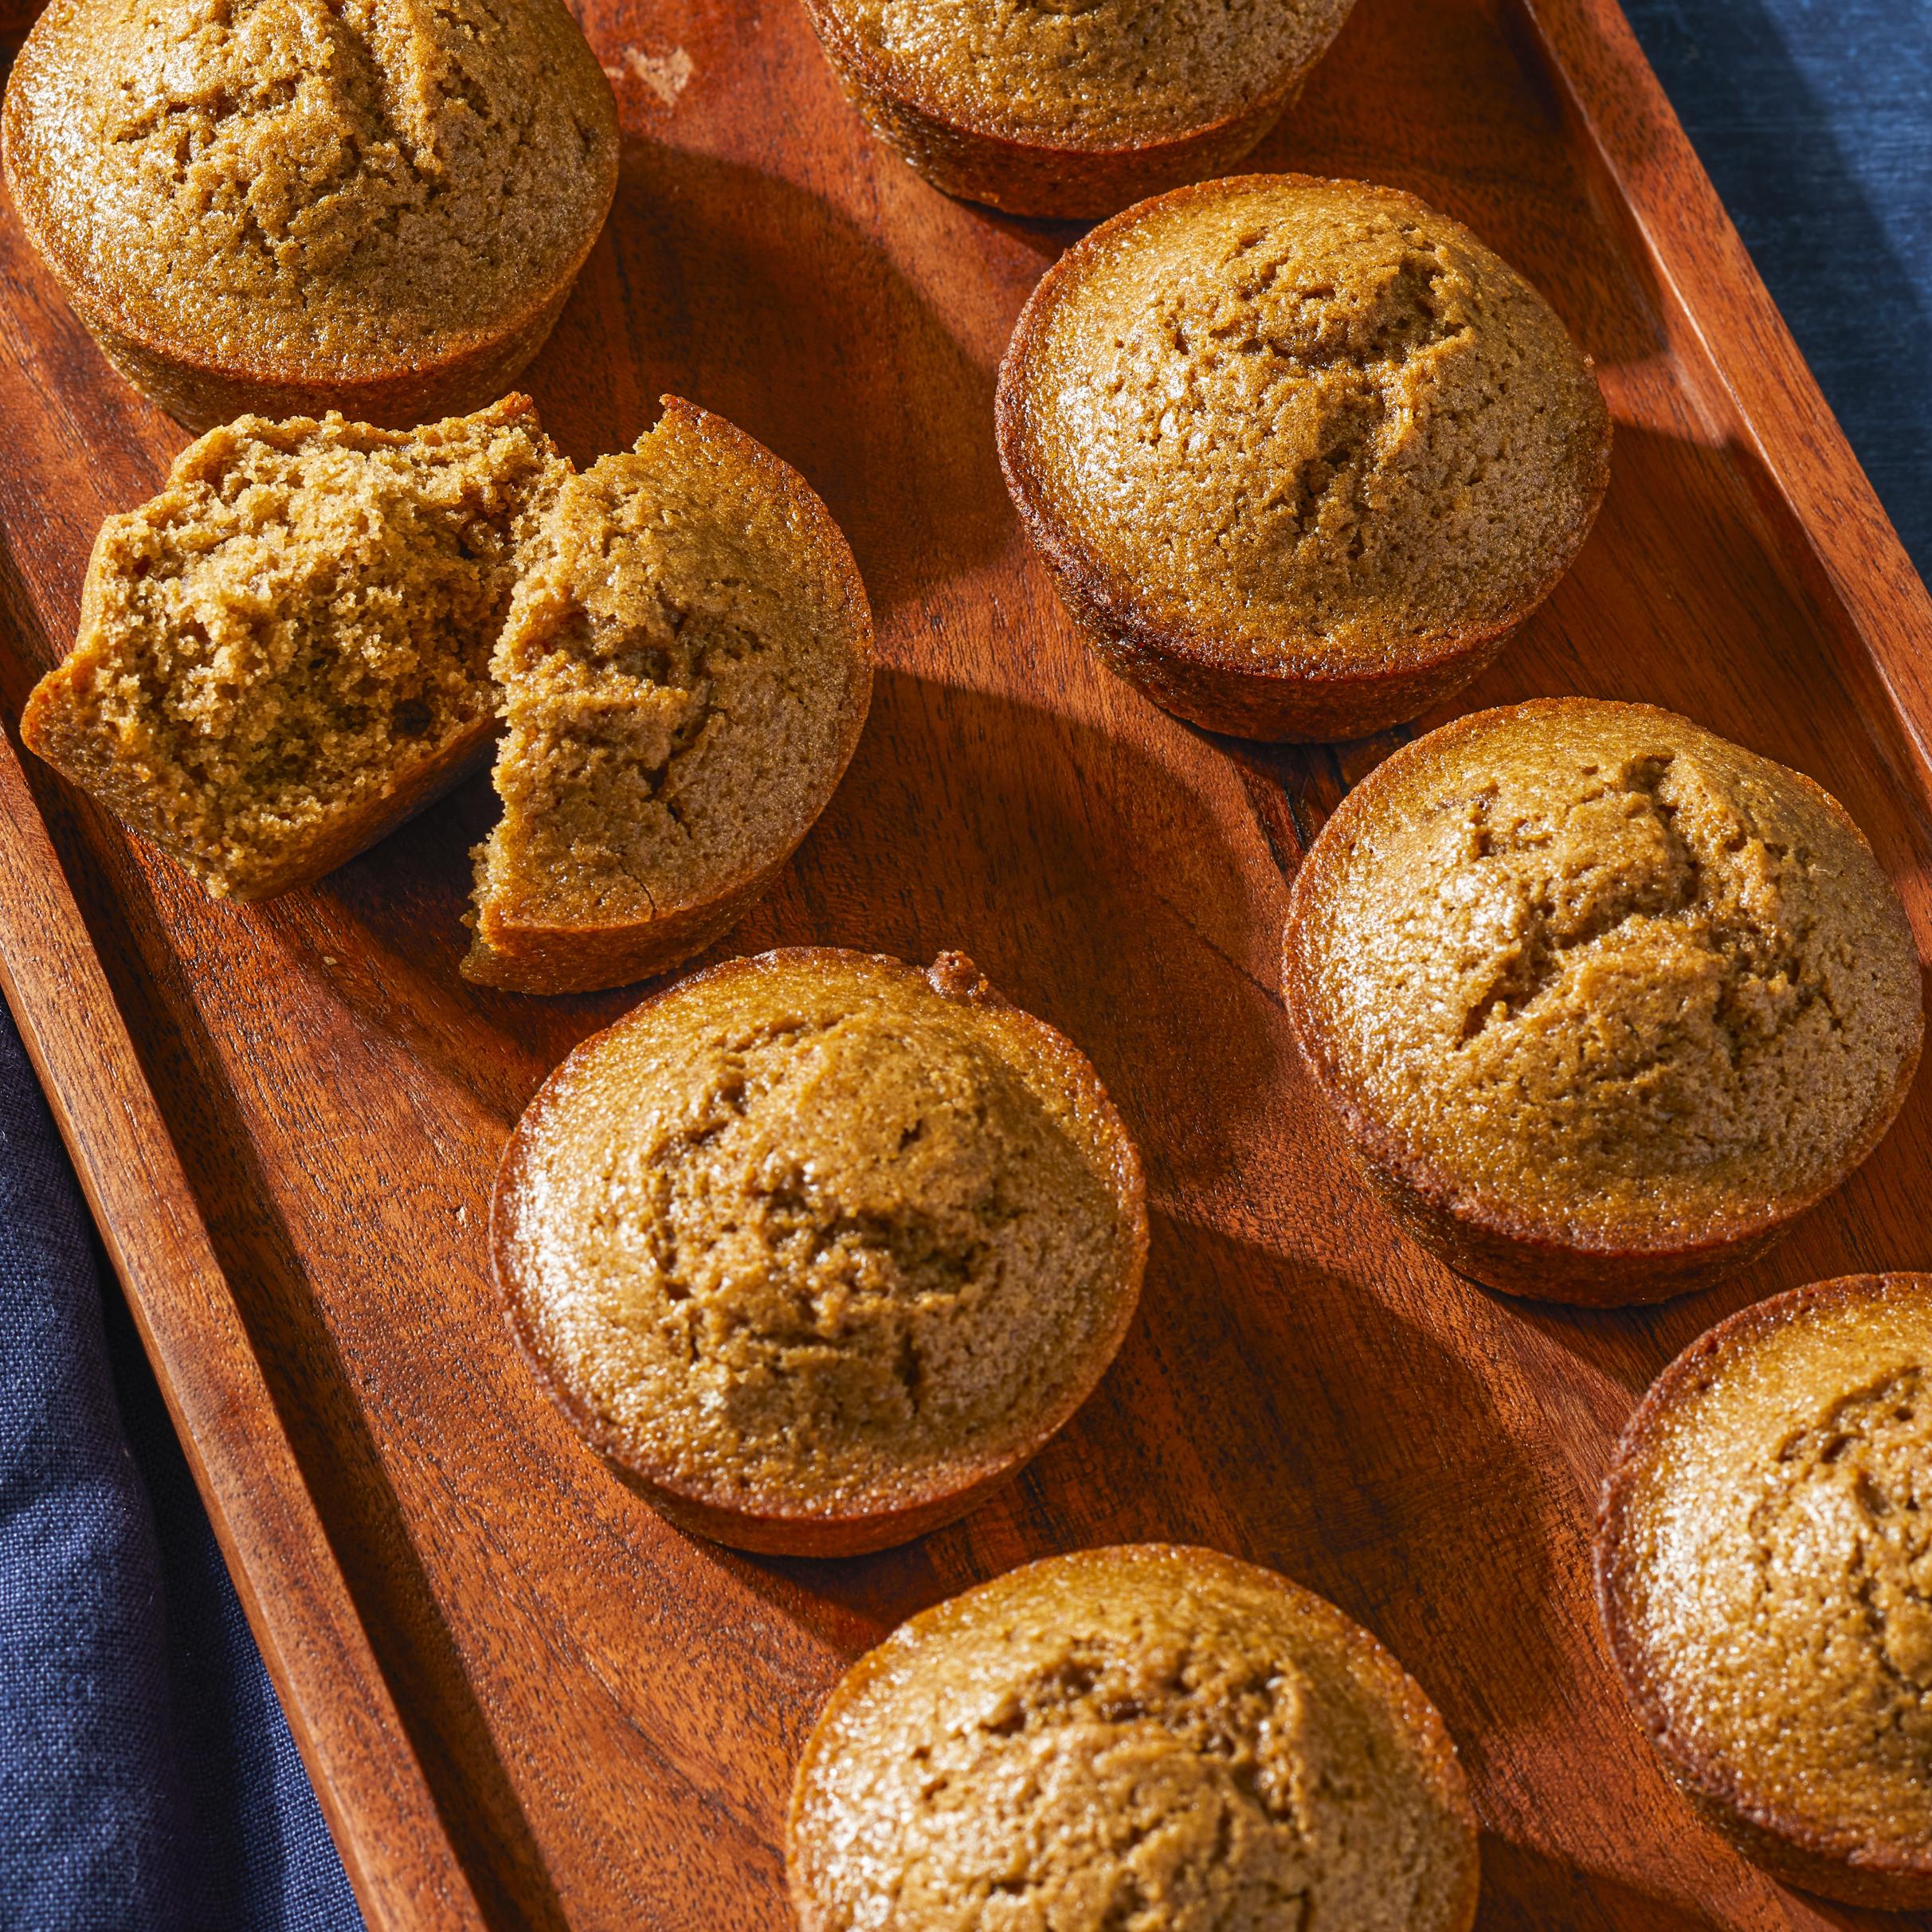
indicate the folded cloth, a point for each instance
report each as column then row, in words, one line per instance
column 148, row 1782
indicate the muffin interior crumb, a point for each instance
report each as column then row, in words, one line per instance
column 677, row 675
column 303, row 616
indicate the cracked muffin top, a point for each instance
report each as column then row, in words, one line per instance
column 1147, row 1735
column 312, row 187
column 1089, row 73
column 1295, row 424
column 686, row 670
column 1765, row 1566
column 1597, row 974
column 816, row 1235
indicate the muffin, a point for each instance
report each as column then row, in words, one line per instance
column 1603, row 1001
column 1299, row 454
column 1146, row 1736
column 290, row 206
column 1072, row 110
column 1764, row 1566
column 685, row 674
column 817, row 1248
column 287, row 652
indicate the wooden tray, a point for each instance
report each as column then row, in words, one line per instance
column 525, row 1701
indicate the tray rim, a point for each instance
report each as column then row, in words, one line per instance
column 1761, row 391
column 398, row 1855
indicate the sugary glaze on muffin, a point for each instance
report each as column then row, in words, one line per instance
column 817, row 1235
column 1095, row 73
column 289, row 647
column 1301, row 425
column 311, row 188
column 1589, row 971
column 1766, row 1568
column 1140, row 1736
column 685, row 675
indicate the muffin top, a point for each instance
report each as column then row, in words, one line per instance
column 1149, row 1735
column 817, row 1234
column 1766, row 1565
column 682, row 670
column 1089, row 73
column 1593, row 973
column 320, row 187
column 1298, row 424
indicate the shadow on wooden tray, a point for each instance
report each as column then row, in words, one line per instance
column 1527, row 1891
column 967, row 821
column 1274, row 1411
column 755, row 298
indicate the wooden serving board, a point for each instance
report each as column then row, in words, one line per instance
column 525, row 1700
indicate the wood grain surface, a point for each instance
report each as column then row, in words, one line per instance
column 528, row 1702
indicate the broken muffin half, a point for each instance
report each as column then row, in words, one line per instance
column 287, row 652
column 686, row 670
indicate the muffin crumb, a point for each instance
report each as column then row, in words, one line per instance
column 686, row 670
column 290, row 645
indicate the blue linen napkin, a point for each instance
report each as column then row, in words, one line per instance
column 147, row 1780
column 1814, row 118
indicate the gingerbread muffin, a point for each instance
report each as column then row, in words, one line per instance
column 1603, row 1001
column 285, row 207
column 287, row 652
column 817, row 1248
column 1764, row 1565
column 1062, row 110
column 1147, row 1735
column 685, row 673
column 1300, row 454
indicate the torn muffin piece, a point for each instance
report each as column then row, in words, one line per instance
column 686, row 670
column 286, row 652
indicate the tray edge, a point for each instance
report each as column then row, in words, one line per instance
column 1768, row 398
